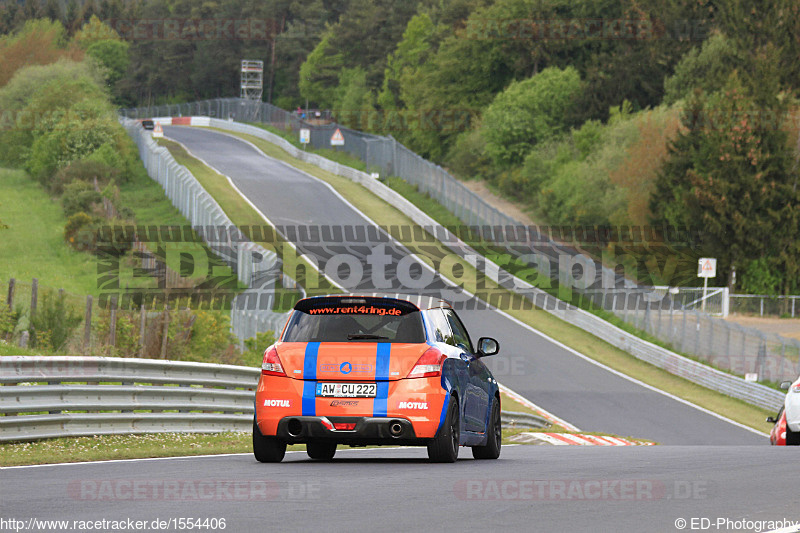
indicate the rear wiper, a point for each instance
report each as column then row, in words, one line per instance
column 364, row 336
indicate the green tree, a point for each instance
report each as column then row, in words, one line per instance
column 729, row 173
column 354, row 100
column 402, row 64
column 112, row 56
column 319, row 74
column 529, row 112
column 707, row 67
column 94, row 31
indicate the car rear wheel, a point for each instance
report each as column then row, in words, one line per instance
column 267, row 449
column 321, row 451
column 494, row 438
column 444, row 446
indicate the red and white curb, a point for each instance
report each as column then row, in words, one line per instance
column 576, row 439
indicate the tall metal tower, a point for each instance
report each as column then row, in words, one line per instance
column 252, row 79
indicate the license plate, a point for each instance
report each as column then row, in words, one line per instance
column 347, row 390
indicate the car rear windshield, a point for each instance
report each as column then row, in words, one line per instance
column 355, row 321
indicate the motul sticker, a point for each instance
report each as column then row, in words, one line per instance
column 277, row 403
column 412, row 405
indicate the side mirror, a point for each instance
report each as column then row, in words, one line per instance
column 487, row 346
column 785, row 385
column 771, row 420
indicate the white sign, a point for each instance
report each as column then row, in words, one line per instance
column 305, row 136
column 337, row 139
column 707, row 268
column 158, row 131
column 751, row 377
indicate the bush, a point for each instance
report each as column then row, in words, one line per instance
column 8, row 322
column 255, row 346
column 126, row 333
column 80, row 232
column 211, row 336
column 86, row 170
column 79, row 196
column 529, row 112
column 53, row 322
column 468, row 158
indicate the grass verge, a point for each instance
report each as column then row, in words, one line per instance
column 109, row 447
column 116, row 447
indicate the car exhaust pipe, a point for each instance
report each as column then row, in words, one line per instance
column 294, row 428
column 396, row 428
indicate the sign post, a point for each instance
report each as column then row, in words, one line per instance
column 337, row 139
column 305, row 137
column 706, row 268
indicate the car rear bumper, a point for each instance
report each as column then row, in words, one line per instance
column 367, row 430
column 416, row 403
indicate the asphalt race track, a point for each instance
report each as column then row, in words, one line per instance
column 530, row 488
column 578, row 391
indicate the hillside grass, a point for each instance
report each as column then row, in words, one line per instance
column 33, row 244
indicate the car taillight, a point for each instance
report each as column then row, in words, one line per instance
column 429, row 365
column 271, row 366
column 796, row 387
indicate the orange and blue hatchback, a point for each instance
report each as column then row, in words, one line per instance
column 374, row 370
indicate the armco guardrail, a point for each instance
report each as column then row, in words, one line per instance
column 63, row 396
column 677, row 364
column 254, row 265
column 45, row 397
column 523, row 420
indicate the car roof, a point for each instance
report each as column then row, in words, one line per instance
column 421, row 302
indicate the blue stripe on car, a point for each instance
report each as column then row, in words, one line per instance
column 444, row 411
column 310, row 377
column 382, row 360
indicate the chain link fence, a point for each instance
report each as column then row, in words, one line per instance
column 762, row 305
column 673, row 319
